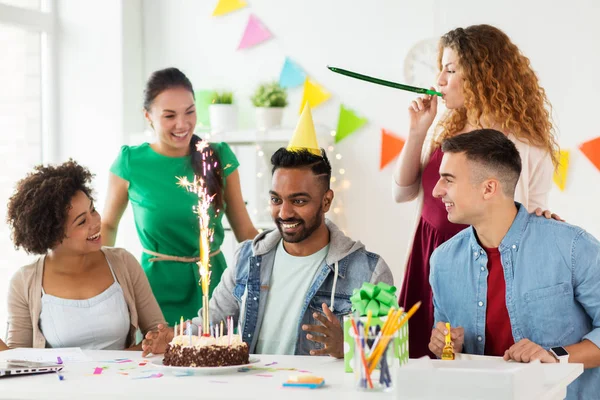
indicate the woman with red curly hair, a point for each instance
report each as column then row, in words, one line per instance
column 486, row 82
column 77, row 293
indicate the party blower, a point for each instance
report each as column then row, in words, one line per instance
column 383, row 82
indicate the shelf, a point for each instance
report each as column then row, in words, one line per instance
column 242, row 137
column 280, row 135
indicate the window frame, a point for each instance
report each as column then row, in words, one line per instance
column 42, row 21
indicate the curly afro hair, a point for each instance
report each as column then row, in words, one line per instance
column 38, row 209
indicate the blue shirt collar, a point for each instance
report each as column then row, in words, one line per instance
column 512, row 238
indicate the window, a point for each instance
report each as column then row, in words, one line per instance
column 22, row 74
column 29, row 4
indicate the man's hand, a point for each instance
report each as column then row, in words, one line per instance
column 331, row 334
column 156, row 341
column 438, row 339
column 526, row 351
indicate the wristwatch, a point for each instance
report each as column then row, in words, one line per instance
column 560, row 353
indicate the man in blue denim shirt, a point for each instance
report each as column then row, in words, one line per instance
column 550, row 269
column 290, row 287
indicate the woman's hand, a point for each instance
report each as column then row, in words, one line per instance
column 156, row 342
column 549, row 215
column 422, row 112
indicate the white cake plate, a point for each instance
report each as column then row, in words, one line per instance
column 204, row 370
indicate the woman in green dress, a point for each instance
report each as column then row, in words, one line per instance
column 168, row 229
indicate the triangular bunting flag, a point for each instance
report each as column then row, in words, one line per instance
column 560, row 174
column 226, row 6
column 203, row 98
column 254, row 34
column 314, row 94
column 591, row 150
column 292, row 74
column 348, row 122
column 305, row 136
column 391, row 146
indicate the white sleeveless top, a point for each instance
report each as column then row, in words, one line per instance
column 99, row 323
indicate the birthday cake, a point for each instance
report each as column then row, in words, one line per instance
column 206, row 351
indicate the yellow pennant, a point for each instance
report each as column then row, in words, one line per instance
column 560, row 174
column 314, row 94
column 226, row 6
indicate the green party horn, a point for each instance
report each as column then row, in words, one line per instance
column 383, row 82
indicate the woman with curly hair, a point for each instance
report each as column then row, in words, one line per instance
column 78, row 293
column 486, row 82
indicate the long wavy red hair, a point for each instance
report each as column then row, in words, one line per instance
column 499, row 86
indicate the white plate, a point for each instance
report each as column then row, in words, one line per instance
column 205, row 370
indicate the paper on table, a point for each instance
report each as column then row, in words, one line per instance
column 69, row 354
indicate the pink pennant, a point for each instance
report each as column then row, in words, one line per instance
column 254, row 34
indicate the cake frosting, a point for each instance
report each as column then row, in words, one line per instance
column 206, row 351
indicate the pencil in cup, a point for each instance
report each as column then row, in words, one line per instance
column 369, row 380
column 394, row 322
column 361, row 359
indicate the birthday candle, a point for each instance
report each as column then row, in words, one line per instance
column 221, row 328
column 230, row 329
column 175, row 329
column 181, row 326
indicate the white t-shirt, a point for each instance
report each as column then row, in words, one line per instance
column 290, row 280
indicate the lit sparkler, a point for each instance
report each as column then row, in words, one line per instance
column 198, row 186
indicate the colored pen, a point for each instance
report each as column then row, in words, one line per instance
column 383, row 82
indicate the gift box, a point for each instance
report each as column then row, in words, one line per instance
column 374, row 300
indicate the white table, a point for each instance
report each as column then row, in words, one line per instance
column 79, row 381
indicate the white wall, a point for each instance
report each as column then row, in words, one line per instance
column 99, row 86
column 560, row 38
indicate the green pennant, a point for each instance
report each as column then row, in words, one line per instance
column 203, row 99
column 348, row 123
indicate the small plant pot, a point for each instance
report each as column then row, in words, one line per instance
column 268, row 117
column 223, row 117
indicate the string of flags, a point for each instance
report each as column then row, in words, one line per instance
column 292, row 75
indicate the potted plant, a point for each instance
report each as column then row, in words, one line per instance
column 222, row 112
column 269, row 100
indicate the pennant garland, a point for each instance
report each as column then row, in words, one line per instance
column 255, row 33
column 226, row 6
column 391, row 146
column 314, row 94
column 292, row 74
column 591, row 149
column 348, row 123
column 560, row 174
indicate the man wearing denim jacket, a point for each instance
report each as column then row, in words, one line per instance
column 513, row 284
column 290, row 287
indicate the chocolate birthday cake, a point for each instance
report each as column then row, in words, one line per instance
column 206, row 351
